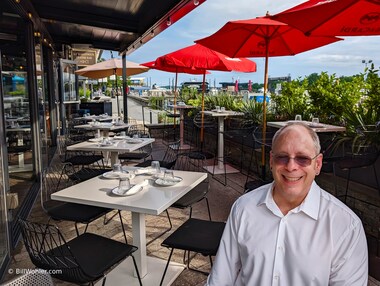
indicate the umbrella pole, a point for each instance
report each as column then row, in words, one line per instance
column 117, row 95
column 203, row 108
column 175, row 96
column 263, row 163
column 124, row 91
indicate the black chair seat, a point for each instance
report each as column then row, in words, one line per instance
column 199, row 155
column 77, row 212
column 83, row 159
column 133, row 155
column 82, row 260
column 195, row 235
column 201, row 236
column 95, row 254
column 86, row 174
column 19, row 149
column 356, row 162
column 172, row 115
column 251, row 185
column 163, row 164
column 195, row 195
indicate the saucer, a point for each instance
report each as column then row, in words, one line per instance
column 167, row 183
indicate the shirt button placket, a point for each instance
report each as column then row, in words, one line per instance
column 279, row 255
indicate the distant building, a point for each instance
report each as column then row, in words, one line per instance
column 274, row 83
column 137, row 81
column 195, row 84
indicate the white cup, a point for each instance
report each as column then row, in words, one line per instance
column 298, row 117
column 217, row 108
column 222, row 109
column 122, row 133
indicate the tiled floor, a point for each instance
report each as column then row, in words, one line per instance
column 220, row 197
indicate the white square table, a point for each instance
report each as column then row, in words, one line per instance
column 116, row 147
column 319, row 128
column 152, row 200
column 106, row 127
column 221, row 115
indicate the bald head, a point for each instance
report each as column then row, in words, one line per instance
column 300, row 126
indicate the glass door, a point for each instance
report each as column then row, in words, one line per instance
column 4, row 241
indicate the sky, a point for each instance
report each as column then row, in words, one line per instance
column 343, row 58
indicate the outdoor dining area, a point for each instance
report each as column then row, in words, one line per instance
column 167, row 188
column 129, row 202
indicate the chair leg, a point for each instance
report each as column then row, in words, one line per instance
column 168, row 229
column 166, row 267
column 76, row 228
column 137, row 270
column 194, row 269
column 208, row 208
column 106, row 221
column 122, row 226
column 216, row 162
column 104, row 280
column 347, row 184
column 376, row 178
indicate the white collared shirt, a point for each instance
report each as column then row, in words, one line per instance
column 320, row 242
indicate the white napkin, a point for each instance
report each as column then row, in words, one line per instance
column 146, row 170
column 136, row 188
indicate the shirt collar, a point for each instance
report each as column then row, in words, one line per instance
column 310, row 206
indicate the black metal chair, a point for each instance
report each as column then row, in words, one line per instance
column 77, row 159
column 169, row 159
column 51, row 179
column 171, row 126
column 362, row 154
column 198, row 193
column 84, row 259
column 258, row 145
column 141, row 154
column 195, row 235
column 239, row 135
column 365, row 159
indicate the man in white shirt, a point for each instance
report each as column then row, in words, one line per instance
column 291, row 232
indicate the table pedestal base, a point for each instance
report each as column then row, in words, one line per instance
column 184, row 147
column 123, row 273
column 215, row 170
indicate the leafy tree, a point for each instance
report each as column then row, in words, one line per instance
column 330, row 96
column 293, row 100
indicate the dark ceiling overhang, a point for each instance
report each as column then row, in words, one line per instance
column 117, row 25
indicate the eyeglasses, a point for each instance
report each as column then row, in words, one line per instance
column 302, row 161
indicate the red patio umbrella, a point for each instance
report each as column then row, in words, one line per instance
column 334, row 18
column 262, row 37
column 198, row 57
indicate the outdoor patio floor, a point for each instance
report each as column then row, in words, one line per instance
column 220, row 198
